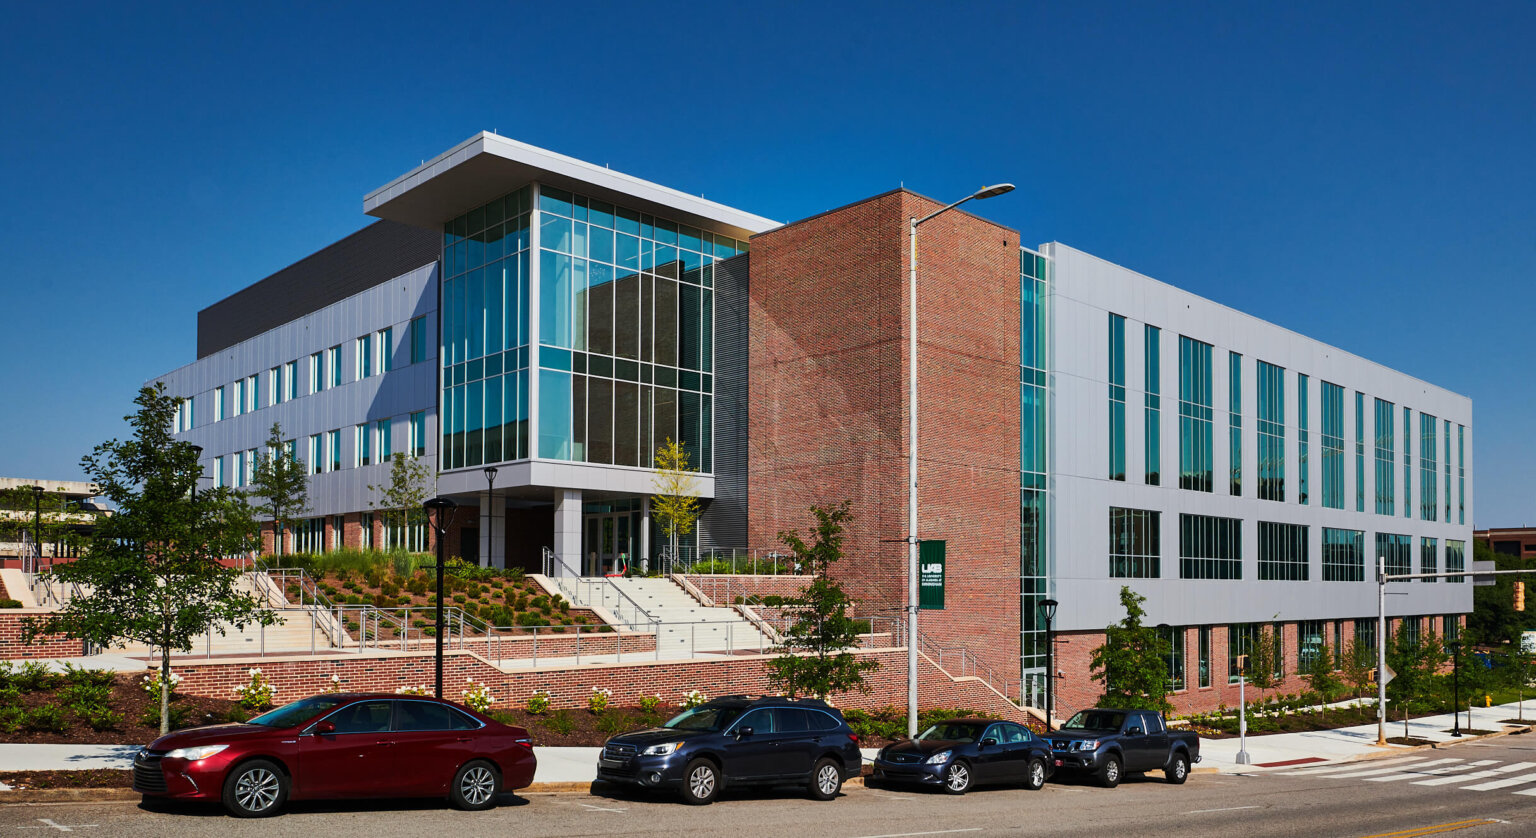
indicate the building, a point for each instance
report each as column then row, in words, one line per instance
column 1081, row 426
column 44, row 520
column 1510, row 541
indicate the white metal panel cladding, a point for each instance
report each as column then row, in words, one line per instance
column 1087, row 289
column 408, row 388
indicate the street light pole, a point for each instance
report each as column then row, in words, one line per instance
column 1455, row 648
column 438, row 509
column 1381, row 651
column 490, row 511
column 1048, row 610
column 980, row 194
column 37, row 525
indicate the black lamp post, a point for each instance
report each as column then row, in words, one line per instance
column 490, row 512
column 1048, row 611
column 37, row 524
column 1455, row 648
column 197, row 474
column 439, row 512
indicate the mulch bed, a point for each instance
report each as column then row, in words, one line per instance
column 1408, row 740
column 128, row 699
column 90, row 778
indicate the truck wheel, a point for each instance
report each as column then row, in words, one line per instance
column 1178, row 770
column 1034, row 775
column 1109, row 775
column 957, row 778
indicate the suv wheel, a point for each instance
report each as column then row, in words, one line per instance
column 701, row 782
column 1034, row 775
column 255, row 789
column 826, row 779
column 1178, row 770
column 957, row 777
column 1109, row 775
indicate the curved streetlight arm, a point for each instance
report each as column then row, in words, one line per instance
column 980, row 194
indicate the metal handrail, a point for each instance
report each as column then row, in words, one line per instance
column 577, row 588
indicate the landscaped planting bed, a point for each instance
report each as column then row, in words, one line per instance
column 93, row 706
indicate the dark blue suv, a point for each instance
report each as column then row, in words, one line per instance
column 738, row 740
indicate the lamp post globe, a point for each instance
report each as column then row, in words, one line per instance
column 439, row 514
column 1048, row 611
column 490, row 513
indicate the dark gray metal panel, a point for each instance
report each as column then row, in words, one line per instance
column 724, row 522
column 377, row 253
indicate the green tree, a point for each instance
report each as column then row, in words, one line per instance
column 1268, row 646
column 1415, row 661
column 1494, row 620
column 400, row 500
column 1131, row 663
column 56, row 519
column 816, row 660
column 280, row 481
column 675, row 503
column 1320, row 676
column 151, row 573
column 1359, row 660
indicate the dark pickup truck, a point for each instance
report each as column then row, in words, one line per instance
column 1109, row 744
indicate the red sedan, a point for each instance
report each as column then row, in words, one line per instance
column 334, row 746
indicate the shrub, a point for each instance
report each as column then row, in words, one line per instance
column 374, row 576
column 538, row 703
column 559, row 722
column 10, row 718
column 258, row 693
column 101, row 718
column 460, row 598
column 516, row 574
column 45, row 718
column 692, row 698
column 650, row 703
column 34, row 676
column 10, row 603
column 613, row 723
column 597, row 702
column 84, row 675
column 417, row 584
column 151, row 685
column 82, row 697
column 237, row 715
column 389, row 589
column 421, row 690
column 478, row 696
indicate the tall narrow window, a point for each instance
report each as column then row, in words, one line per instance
column 315, row 461
column 1116, row 397
column 1235, row 421
column 238, row 391
column 250, row 466
column 218, row 471
column 1302, row 495
column 274, row 385
column 333, row 365
column 1429, row 469
column 1456, row 559
column 1429, row 558
column 1338, row 645
column 252, row 395
column 333, row 448
column 418, row 339
column 1154, row 407
column 1461, row 472
column 1134, row 543
column 1359, row 452
column 1365, row 636
column 218, row 404
column 316, row 372
column 364, row 357
column 1311, row 636
column 363, row 447
column 386, row 349
column 1386, row 454
column 1240, row 642
column 1175, row 658
column 1194, row 415
column 239, row 469
column 1447, row 471
column 1282, row 551
column 291, row 380
column 1396, row 550
column 1333, row 446
column 385, row 448
column 1271, row 430
column 1205, row 656
column 419, row 434
column 1407, row 463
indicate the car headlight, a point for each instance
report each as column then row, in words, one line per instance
column 1086, row 745
column 939, row 758
column 662, row 750
column 197, row 753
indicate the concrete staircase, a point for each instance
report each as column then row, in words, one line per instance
column 299, row 629
column 689, row 627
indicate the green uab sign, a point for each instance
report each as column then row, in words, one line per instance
column 930, row 575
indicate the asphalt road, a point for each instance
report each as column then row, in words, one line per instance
column 1474, row 790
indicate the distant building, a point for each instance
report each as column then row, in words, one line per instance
column 1511, row 541
column 64, row 511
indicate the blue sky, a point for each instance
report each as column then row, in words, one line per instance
column 1361, row 173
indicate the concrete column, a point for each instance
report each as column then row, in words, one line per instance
column 493, row 518
column 645, row 533
column 568, row 531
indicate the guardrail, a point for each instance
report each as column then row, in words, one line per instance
column 726, row 560
column 586, row 592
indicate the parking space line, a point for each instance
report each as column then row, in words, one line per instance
column 1227, row 809
column 913, row 834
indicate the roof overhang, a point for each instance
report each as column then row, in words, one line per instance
column 487, row 166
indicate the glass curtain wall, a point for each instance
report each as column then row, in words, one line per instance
column 1154, row 407
column 1429, row 490
column 1455, row 559
column 1429, row 558
column 1461, row 471
column 1386, row 480
column 1447, row 471
column 1195, row 415
column 1282, row 551
column 1343, row 555
column 1134, row 543
column 1034, row 570
column 1116, row 397
column 1271, row 429
column 1396, row 549
column 1407, row 462
column 1359, row 452
column 1302, row 441
column 1235, row 422
column 1333, row 446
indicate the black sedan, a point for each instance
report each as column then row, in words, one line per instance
column 960, row 753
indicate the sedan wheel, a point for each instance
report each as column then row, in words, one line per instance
column 957, row 778
column 1034, row 775
column 255, row 789
column 475, row 787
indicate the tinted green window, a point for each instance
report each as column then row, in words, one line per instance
column 1456, row 559
column 1116, row 397
column 1271, row 431
column 1194, row 415
column 1282, row 551
column 1343, row 555
column 1240, row 643
column 1175, row 657
column 1386, row 478
column 1333, row 446
column 1461, row 469
column 1407, row 463
column 1359, row 452
column 1429, row 557
column 1302, row 439
column 1429, row 493
column 1154, row 414
column 1134, row 543
column 1396, row 550
column 1235, row 422
column 1210, row 547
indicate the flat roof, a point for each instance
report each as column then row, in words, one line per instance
column 487, row 166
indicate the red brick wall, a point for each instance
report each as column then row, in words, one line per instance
column 50, row 646
column 829, row 397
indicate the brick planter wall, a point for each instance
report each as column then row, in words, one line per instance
column 13, row 647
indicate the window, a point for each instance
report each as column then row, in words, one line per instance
column 1452, row 627
column 386, row 349
column 1407, row 463
column 1386, row 480
column 424, row 715
column 1194, row 414
column 1175, row 658
column 1116, row 397
column 1359, row 452
column 333, row 447
column 418, row 329
column 1365, row 637
column 1205, row 655
column 365, row 531
column 1447, row 471
column 1271, row 430
column 218, row 404
column 333, row 365
column 418, row 439
column 291, row 380
column 1343, row 555
column 239, row 469
column 364, row 357
column 239, row 394
column 1277, row 631
column 1302, row 496
column 362, row 439
column 1456, row 559
column 250, row 466
column 383, row 450
column 275, row 385
column 1338, row 645
column 1134, row 543
column 1395, row 549
column 338, row 532
column 1282, row 551
column 1429, row 558
column 309, row 535
column 1210, row 547
column 1240, row 642
column 1411, row 630
column 1311, row 635
column 1333, row 446
column 1235, row 422
column 252, row 395
column 316, row 372
column 362, row 717
column 1461, row 471
column 218, row 472
column 1154, row 410
column 1429, row 492
column 315, row 461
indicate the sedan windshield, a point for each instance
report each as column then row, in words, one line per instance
column 952, row 732
column 704, row 718
column 1095, row 720
column 300, row 711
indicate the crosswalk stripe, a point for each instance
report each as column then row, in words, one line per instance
column 1476, row 775
column 1531, row 792
column 1505, row 783
column 1374, row 772
column 1352, row 766
column 1415, row 772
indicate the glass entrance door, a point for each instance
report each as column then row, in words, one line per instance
column 609, row 540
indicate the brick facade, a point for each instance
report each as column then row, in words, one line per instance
column 13, row 647
column 829, row 404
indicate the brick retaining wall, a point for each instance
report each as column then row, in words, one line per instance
column 13, row 647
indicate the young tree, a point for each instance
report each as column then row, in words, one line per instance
column 815, row 660
column 1320, row 676
column 1131, row 661
column 1266, row 660
column 1358, row 662
column 400, row 501
column 152, row 573
column 1415, row 662
column 676, row 500
column 280, row 480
